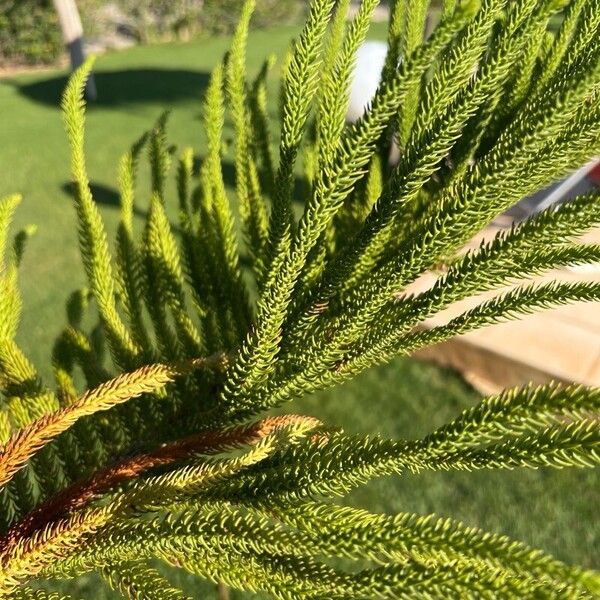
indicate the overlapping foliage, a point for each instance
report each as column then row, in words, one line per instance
column 169, row 452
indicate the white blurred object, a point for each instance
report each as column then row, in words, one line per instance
column 370, row 60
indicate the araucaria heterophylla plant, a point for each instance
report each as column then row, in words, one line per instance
column 171, row 452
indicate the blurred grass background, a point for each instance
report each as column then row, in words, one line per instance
column 554, row 510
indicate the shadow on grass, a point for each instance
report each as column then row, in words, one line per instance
column 102, row 194
column 131, row 86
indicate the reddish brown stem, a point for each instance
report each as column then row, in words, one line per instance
column 80, row 493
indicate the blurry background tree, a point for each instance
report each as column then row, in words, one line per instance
column 30, row 33
column 220, row 16
column 145, row 20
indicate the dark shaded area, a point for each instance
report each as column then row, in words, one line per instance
column 103, row 194
column 131, row 86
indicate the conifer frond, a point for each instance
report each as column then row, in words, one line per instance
column 8, row 206
column 333, row 104
column 162, row 259
column 299, row 88
column 264, row 439
column 28, row 440
column 415, row 15
column 27, row 395
column 356, row 151
column 220, row 214
column 517, row 302
column 128, row 254
column 350, row 534
column 10, row 300
column 496, row 102
column 139, row 581
column 92, row 236
column 502, row 262
column 335, row 37
column 261, row 127
column 26, row 593
column 159, row 156
column 531, row 437
column 252, row 206
column 384, row 538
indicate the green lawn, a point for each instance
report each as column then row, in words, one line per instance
column 550, row 509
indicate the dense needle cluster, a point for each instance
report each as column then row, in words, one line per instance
column 168, row 451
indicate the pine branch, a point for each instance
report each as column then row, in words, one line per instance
column 81, row 493
column 93, row 243
column 128, row 255
column 139, row 581
column 299, row 88
column 520, row 301
column 252, row 208
column 24, row 444
column 226, row 246
column 487, row 110
column 258, row 104
column 26, row 593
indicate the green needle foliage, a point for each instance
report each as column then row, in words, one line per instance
column 165, row 450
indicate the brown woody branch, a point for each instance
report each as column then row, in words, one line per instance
column 82, row 492
column 23, row 444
